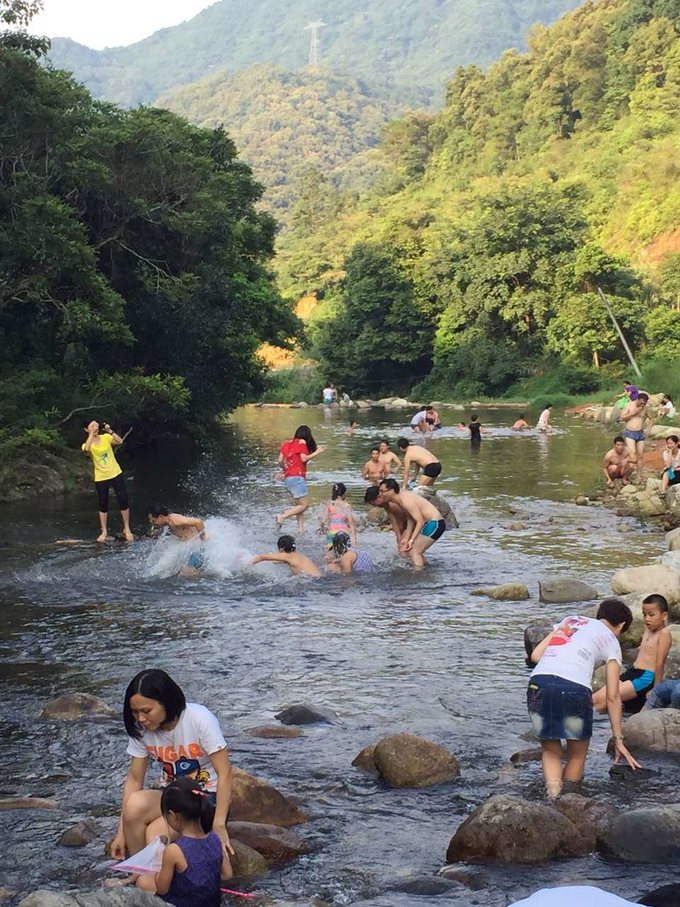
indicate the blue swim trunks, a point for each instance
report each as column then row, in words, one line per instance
column 434, row 529
column 642, row 681
column 634, row 435
column 196, row 560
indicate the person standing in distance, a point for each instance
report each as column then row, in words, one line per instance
column 107, row 475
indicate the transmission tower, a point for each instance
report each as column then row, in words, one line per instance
column 314, row 29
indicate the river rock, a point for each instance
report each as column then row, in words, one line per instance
column 516, row 527
column 650, row 504
column 535, row 633
column 511, row 830
column 365, row 760
column 79, row 835
column 564, row 591
column 666, row 896
column 657, row 730
column 27, row 803
column 673, row 501
column 405, row 760
column 254, row 800
column 506, row 592
column 305, row 714
column 246, row 861
column 470, row 876
column 593, row 818
column 647, row 835
column 378, row 516
column 362, row 404
column 127, row 896
column 273, row 731
column 398, row 403
column 523, row 756
column 648, row 579
column 582, row 500
column 73, row 706
column 276, row 844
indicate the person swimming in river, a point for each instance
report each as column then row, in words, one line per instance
column 338, row 515
column 475, row 429
column 375, row 469
column 387, row 457
column 521, row 424
column 185, row 528
column 299, row 564
column 348, row 560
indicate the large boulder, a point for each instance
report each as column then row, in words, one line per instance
column 74, row 706
column 117, row 897
column 305, row 714
column 648, row 579
column 254, row 800
column 673, row 539
column 657, row 730
column 512, row 830
column 365, row 760
column 534, row 634
column 647, row 835
column 506, row 592
column 405, row 760
column 278, row 845
column 564, row 591
column 593, row 818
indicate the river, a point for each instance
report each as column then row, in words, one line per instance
column 393, row 652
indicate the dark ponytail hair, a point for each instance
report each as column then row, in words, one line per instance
column 187, row 798
column 339, row 491
column 153, row 684
column 304, row 433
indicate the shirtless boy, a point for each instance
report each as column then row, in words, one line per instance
column 650, row 664
column 636, row 418
column 184, row 528
column 421, row 458
column 390, row 460
column 616, row 463
column 417, row 524
column 299, row 564
column 375, row 469
column 521, row 424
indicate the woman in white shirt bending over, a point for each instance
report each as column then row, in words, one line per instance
column 185, row 739
column 559, row 696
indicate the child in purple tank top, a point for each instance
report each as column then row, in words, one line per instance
column 194, row 863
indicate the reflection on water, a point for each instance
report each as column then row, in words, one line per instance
column 396, row 651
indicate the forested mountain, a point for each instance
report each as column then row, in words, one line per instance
column 553, row 173
column 293, row 128
column 414, row 45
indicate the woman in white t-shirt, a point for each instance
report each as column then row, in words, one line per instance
column 559, row 696
column 186, row 741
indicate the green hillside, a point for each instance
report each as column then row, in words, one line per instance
column 291, row 127
column 551, row 174
column 413, row 44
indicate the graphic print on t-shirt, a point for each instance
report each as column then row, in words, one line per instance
column 566, row 630
column 178, row 762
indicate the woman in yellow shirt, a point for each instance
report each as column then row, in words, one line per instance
column 107, row 474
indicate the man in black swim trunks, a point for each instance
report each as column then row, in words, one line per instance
column 422, row 459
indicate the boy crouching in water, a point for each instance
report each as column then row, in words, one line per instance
column 649, row 666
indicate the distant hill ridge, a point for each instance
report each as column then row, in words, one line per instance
column 413, row 45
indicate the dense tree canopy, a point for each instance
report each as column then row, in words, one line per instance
column 133, row 263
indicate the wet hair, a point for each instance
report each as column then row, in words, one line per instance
column 673, row 438
column 429, row 409
column 548, row 406
column 371, row 494
column 383, row 441
column 390, row 484
column 522, row 415
column 153, row 684
column 187, row 798
column 403, row 443
column 156, row 510
column 643, row 396
column 341, row 543
column 339, row 491
column 615, row 612
column 286, row 543
column 376, row 449
column 657, row 599
column 474, row 417
column 619, row 438
column 304, row 433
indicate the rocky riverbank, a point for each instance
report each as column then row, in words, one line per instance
column 44, row 474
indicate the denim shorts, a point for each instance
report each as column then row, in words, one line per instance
column 560, row 709
column 296, row 486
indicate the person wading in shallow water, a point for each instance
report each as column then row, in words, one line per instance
column 186, row 529
column 417, row 524
column 107, row 475
column 294, row 456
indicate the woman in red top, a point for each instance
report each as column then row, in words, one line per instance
column 294, row 456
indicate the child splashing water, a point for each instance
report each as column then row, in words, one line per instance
column 195, row 862
column 338, row 516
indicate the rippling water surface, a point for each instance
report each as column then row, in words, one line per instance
column 392, row 652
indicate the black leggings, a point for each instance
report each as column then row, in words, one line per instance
column 118, row 485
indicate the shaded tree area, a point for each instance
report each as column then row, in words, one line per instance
column 134, row 279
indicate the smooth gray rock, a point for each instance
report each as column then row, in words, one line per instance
column 405, row 760
column 74, row 706
column 536, row 633
column 116, row 897
column 79, row 835
column 506, row 592
column 657, row 730
column 305, row 714
column 564, row 591
column 648, row 835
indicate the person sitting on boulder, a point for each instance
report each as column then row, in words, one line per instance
column 559, row 695
column 650, row 664
column 671, row 458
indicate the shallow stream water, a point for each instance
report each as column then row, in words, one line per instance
column 392, row 652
